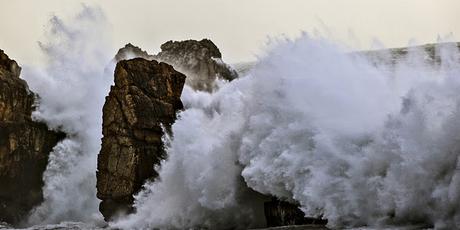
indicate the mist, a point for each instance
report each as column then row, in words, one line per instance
column 353, row 141
column 72, row 85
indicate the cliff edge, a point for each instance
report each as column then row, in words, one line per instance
column 24, row 145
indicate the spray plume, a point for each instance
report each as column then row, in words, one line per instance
column 346, row 137
column 359, row 142
column 72, row 86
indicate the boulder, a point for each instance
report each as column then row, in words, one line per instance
column 139, row 109
column 24, row 145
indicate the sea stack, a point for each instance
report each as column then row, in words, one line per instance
column 139, row 109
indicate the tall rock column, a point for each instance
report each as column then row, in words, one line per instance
column 24, row 145
column 140, row 106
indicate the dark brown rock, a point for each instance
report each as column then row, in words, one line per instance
column 24, row 145
column 201, row 61
column 282, row 213
column 144, row 99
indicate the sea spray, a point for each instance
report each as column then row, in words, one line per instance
column 361, row 141
column 358, row 142
column 72, row 86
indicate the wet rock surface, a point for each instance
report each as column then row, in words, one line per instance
column 201, row 61
column 281, row 213
column 24, row 145
column 140, row 107
column 118, row 181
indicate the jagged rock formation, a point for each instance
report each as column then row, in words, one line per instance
column 143, row 101
column 24, row 145
column 201, row 61
column 130, row 51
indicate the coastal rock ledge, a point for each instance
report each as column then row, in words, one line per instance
column 24, row 145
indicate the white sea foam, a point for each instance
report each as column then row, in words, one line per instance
column 361, row 143
column 72, row 86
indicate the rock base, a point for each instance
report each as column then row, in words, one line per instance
column 281, row 213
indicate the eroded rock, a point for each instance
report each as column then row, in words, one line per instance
column 201, row 61
column 24, row 145
column 140, row 106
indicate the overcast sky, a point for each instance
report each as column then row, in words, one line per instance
column 238, row 27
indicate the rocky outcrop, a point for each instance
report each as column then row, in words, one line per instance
column 282, row 213
column 24, row 145
column 140, row 107
column 201, row 61
column 129, row 51
column 123, row 164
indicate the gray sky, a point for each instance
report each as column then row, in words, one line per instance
column 238, row 27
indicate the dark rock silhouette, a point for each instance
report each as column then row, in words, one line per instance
column 24, row 145
column 140, row 106
column 282, row 213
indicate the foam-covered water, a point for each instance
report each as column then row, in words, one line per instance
column 353, row 140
